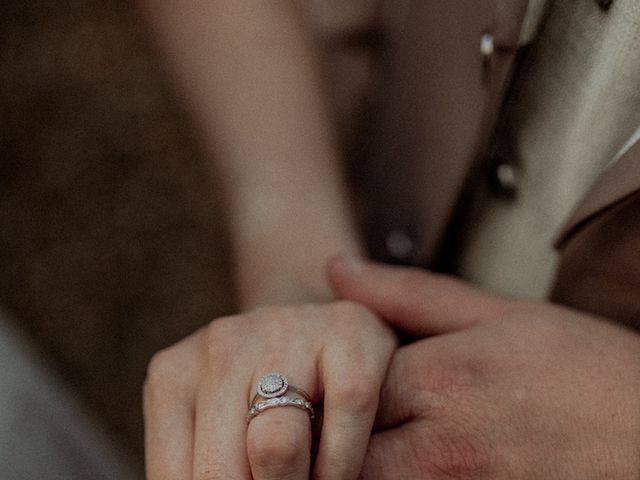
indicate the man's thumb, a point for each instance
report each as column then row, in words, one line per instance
column 413, row 300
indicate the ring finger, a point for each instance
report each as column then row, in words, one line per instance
column 279, row 438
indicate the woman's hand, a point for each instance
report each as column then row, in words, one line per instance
column 197, row 394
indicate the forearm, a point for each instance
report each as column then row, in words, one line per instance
column 251, row 77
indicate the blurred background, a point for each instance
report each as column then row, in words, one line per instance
column 112, row 243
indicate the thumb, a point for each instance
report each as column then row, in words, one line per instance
column 413, row 300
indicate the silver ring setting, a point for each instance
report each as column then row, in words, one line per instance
column 272, row 388
column 257, row 408
column 272, row 385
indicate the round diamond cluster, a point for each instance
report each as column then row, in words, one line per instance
column 272, row 385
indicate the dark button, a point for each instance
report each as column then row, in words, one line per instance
column 604, row 4
column 505, row 179
column 487, row 45
column 399, row 245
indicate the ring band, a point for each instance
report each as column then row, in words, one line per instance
column 260, row 407
column 272, row 387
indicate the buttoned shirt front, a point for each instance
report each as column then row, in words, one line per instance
column 574, row 105
column 437, row 90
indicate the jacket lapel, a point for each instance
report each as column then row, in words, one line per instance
column 618, row 182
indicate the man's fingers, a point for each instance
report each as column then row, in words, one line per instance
column 436, row 448
column 413, row 300
column 394, row 451
column 427, row 451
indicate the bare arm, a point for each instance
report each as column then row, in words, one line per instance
column 249, row 71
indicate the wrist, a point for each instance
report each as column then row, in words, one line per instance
column 277, row 276
column 287, row 265
column 280, row 291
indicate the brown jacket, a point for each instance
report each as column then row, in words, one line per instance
column 442, row 98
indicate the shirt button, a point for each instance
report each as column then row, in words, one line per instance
column 487, row 46
column 604, row 4
column 506, row 178
column 399, row 245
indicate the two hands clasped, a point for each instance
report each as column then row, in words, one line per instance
column 493, row 388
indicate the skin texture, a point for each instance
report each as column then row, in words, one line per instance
column 496, row 388
column 251, row 76
column 493, row 388
column 197, row 392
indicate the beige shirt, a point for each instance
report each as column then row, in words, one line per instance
column 574, row 106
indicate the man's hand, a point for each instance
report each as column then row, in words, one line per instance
column 500, row 388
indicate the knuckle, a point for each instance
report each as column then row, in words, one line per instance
column 279, row 320
column 162, row 372
column 223, row 328
column 360, row 319
column 361, row 394
column 220, row 338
